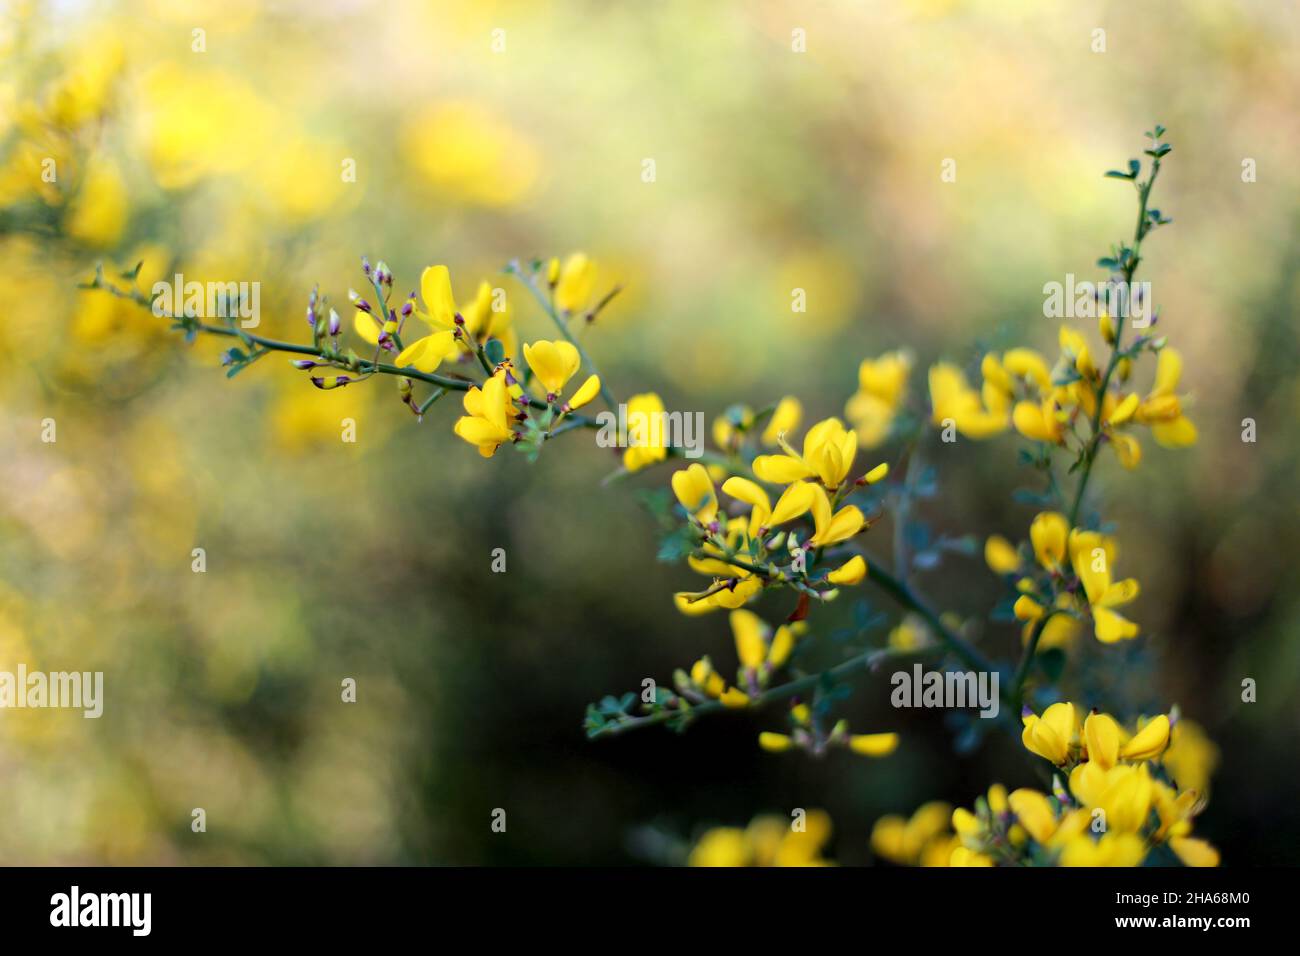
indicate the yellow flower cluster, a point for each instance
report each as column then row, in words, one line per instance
column 767, row 841
column 1019, row 389
column 742, row 553
column 730, row 429
column 882, row 387
column 809, row 736
column 1070, row 576
column 924, row 839
column 493, row 409
column 761, row 652
column 1122, row 803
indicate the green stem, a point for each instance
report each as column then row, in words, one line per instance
column 1094, row 441
column 1026, row 660
column 363, row 366
column 863, row 661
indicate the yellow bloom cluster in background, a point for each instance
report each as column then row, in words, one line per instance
column 1121, row 803
column 767, row 841
column 1072, row 578
column 1043, row 403
column 773, row 519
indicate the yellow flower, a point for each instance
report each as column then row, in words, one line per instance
column 1060, row 629
column 694, row 489
column 1162, row 409
column 1101, row 735
column 1039, row 421
column 1000, row 555
column 911, row 633
column 101, row 209
column 482, row 321
column 1027, row 609
column 953, row 400
column 828, row 453
column 882, row 384
column 439, row 303
column 721, row 847
column 1149, row 742
column 554, row 363
column 490, row 411
column 1117, row 413
column 1106, row 328
column 1049, row 533
column 1121, row 411
column 574, row 284
column 1028, row 366
column 832, row 529
column 645, row 439
column 1192, row 757
column 908, row 841
column 758, row 649
column 1127, row 449
column 850, row 572
column 794, row 502
column 1034, row 812
column 714, row 562
column 1194, row 852
column 734, row 697
column 428, row 353
column 736, row 595
column 1054, row 735
column 1112, row 849
column 775, row 743
column 962, row 856
column 1092, row 554
column 873, row 745
column 729, row 428
column 751, row 640
column 585, row 393
column 1124, row 793
column 785, row 418
column 1074, row 350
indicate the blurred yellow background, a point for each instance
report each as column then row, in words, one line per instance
column 483, row 131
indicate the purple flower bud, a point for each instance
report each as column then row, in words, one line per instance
column 365, row 264
column 406, row 309
column 363, row 305
column 334, row 323
column 303, row 363
column 311, row 317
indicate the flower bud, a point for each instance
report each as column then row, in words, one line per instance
column 335, row 323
